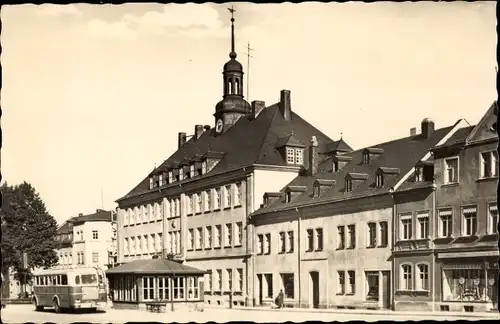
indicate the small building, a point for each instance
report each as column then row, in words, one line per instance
column 137, row 283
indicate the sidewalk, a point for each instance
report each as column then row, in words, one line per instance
column 485, row 315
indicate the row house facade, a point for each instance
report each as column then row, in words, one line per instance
column 193, row 208
column 326, row 239
column 87, row 240
column 446, row 251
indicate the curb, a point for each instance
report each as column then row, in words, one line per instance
column 364, row 312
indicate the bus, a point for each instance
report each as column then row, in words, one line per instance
column 70, row 288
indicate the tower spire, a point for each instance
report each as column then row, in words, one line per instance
column 232, row 55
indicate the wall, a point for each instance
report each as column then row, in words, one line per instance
column 88, row 245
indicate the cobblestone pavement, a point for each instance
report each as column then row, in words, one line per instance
column 25, row 313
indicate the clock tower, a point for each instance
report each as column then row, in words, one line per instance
column 232, row 106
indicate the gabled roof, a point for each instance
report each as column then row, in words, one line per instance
column 357, row 176
column 324, row 182
column 248, row 142
column 458, row 138
column 339, row 146
column 483, row 130
column 99, row 216
column 385, row 170
column 289, row 140
column 154, row 266
column 66, row 227
column 402, row 153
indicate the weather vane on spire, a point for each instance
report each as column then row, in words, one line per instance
column 233, row 53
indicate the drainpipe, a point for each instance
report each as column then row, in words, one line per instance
column 394, row 222
column 434, row 221
column 299, row 227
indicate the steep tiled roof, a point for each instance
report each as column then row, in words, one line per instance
column 99, row 216
column 401, row 154
column 66, row 227
column 154, row 266
column 339, row 145
column 457, row 138
column 247, row 142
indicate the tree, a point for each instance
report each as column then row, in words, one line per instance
column 26, row 227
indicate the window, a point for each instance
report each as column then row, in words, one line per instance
column 159, row 237
column 348, row 185
column 341, row 282
column 218, row 230
column 316, row 191
column 148, row 288
column 191, row 171
column 199, row 238
column 238, row 235
column 310, row 240
column 492, row 219
column 366, row 158
column 177, row 207
column 239, row 279
column 132, row 245
column 445, row 223
column 160, row 180
column 372, row 283
column 217, row 198
column 181, row 174
column 260, row 244
column 422, row 277
column 290, row 242
column 406, row 277
column 319, row 239
column 282, row 248
column 268, row 278
column 190, row 204
column 451, row 169
column 228, row 235
column 95, row 257
column 299, row 156
column 151, row 183
column 384, row 233
column 218, row 279
column 340, row 237
column 170, row 177
column 351, row 229
column 208, row 201
column 193, row 288
column 153, row 244
column 406, row 226
column 178, row 284
column 237, row 196
column 190, row 240
column 469, row 221
column 229, row 276
column 163, row 288
column 419, row 174
column 372, row 234
column 145, row 244
column 489, row 164
column 227, row 196
column 336, row 166
column 290, row 155
column 287, row 280
column 268, row 243
column 379, row 180
column 208, row 237
column 423, row 225
column 95, row 235
column 203, row 167
column 208, row 285
column 352, row 282
column 197, row 199
column 288, row 197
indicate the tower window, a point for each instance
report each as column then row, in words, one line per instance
column 237, row 86
column 230, row 86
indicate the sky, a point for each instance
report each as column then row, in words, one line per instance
column 93, row 96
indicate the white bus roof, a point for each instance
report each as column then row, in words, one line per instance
column 63, row 270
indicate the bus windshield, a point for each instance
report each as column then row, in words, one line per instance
column 88, row 279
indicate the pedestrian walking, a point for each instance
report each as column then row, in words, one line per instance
column 279, row 299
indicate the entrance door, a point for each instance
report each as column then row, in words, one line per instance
column 259, row 278
column 314, row 288
column 386, row 289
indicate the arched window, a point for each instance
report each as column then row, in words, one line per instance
column 230, row 86
column 237, row 86
column 422, row 277
column 406, row 277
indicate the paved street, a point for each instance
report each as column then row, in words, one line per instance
column 25, row 313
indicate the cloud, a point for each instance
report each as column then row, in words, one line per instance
column 52, row 10
column 186, row 20
column 101, row 28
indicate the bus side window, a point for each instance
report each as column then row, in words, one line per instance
column 77, row 280
column 64, row 280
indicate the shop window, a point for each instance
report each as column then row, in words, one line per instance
column 287, row 280
column 268, row 277
column 178, row 284
column 372, row 283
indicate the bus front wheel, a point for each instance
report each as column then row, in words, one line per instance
column 37, row 308
column 57, row 309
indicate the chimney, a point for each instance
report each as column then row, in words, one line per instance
column 413, row 131
column 80, row 214
column 285, row 105
column 257, row 107
column 427, row 128
column 207, row 127
column 181, row 139
column 313, row 156
column 198, row 130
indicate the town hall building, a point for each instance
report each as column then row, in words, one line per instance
column 194, row 207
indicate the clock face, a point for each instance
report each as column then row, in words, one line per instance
column 219, row 125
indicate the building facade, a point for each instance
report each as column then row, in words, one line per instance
column 194, row 207
column 87, row 240
column 326, row 239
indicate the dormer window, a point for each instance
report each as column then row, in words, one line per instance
column 366, row 158
column 290, row 155
column 191, row 171
column 288, row 197
column 157, row 180
column 379, row 180
column 419, row 173
column 299, row 156
column 203, row 167
column 294, row 155
column 335, row 166
column 170, row 177
column 348, row 185
column 150, row 182
column 316, row 191
column 181, row 174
